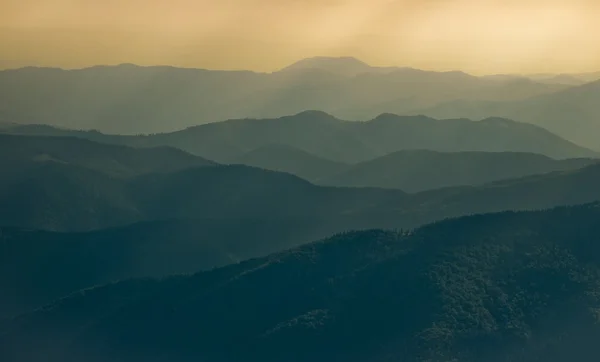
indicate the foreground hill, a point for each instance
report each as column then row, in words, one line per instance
column 420, row 170
column 113, row 160
column 327, row 137
column 500, row 287
column 37, row 267
column 131, row 99
column 240, row 212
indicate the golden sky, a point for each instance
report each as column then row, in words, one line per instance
column 478, row 36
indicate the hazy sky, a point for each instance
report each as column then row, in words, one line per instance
column 478, row 36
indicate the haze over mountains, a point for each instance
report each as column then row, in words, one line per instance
column 420, row 170
column 325, row 136
column 572, row 113
column 168, row 214
column 196, row 215
column 18, row 151
column 132, row 99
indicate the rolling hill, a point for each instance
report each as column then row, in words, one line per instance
column 210, row 216
column 420, row 170
column 291, row 160
column 572, row 113
column 61, row 197
column 78, row 194
column 37, row 267
column 325, row 136
column 498, row 287
column 113, row 160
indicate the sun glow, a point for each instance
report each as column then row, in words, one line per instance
column 484, row 36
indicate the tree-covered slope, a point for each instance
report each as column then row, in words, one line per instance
column 208, row 217
column 37, row 267
column 499, row 287
column 113, row 160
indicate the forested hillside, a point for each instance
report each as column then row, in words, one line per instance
column 499, row 287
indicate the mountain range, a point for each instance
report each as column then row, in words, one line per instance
column 86, row 190
column 327, row 137
column 410, row 170
column 316, row 213
column 129, row 99
column 114, row 225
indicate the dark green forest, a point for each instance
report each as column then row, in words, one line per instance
column 500, row 287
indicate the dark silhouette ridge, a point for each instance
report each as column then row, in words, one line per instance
column 498, row 287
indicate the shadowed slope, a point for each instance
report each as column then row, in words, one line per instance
column 420, row 170
column 510, row 286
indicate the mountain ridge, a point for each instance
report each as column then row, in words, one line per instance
column 420, row 170
column 328, row 137
column 571, row 113
column 133, row 99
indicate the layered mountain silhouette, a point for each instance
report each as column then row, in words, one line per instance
column 62, row 197
column 19, row 151
column 37, row 267
column 420, row 170
column 170, row 214
column 292, row 160
column 203, row 217
column 327, row 137
column 499, row 287
column 94, row 186
column 129, row 99
column 410, row 170
column 572, row 113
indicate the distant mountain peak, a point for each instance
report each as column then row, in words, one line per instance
column 323, row 60
column 347, row 66
column 387, row 117
column 313, row 114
